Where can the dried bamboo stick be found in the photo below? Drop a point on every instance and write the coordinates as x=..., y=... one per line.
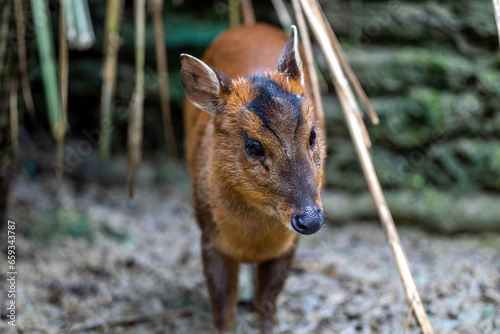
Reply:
x=162, y=69
x=350, y=109
x=283, y=15
x=63, y=89
x=133, y=320
x=22, y=59
x=111, y=46
x=309, y=57
x=345, y=65
x=496, y=5
x=45, y=43
x=136, y=104
x=248, y=12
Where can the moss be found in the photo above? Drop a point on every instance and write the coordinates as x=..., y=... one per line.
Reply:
x=385, y=70
x=45, y=227
x=49, y=225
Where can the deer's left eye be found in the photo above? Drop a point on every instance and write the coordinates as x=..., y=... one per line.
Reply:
x=254, y=147
x=312, y=138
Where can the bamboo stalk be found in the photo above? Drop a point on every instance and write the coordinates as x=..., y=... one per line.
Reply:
x=63, y=89
x=22, y=60
x=496, y=5
x=350, y=109
x=309, y=57
x=83, y=24
x=63, y=64
x=70, y=19
x=248, y=12
x=14, y=119
x=111, y=46
x=162, y=69
x=136, y=104
x=45, y=45
x=234, y=13
x=283, y=15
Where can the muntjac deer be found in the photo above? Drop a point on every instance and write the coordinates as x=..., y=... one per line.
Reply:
x=255, y=151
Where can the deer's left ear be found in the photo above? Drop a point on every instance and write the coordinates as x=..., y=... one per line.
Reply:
x=289, y=61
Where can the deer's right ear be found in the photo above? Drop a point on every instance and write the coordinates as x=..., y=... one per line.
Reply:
x=204, y=86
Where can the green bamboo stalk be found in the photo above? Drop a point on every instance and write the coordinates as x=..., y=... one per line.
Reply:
x=136, y=104
x=45, y=43
x=22, y=59
x=234, y=13
x=156, y=7
x=83, y=24
x=111, y=46
x=496, y=7
x=63, y=64
x=70, y=19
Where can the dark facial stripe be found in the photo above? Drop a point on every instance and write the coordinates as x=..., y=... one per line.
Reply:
x=265, y=102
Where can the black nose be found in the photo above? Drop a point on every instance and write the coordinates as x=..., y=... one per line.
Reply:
x=308, y=221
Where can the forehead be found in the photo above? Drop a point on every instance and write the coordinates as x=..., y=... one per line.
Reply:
x=277, y=101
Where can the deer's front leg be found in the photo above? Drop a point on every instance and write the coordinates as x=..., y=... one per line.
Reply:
x=270, y=278
x=221, y=274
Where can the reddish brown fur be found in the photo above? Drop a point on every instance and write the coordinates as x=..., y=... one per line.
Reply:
x=243, y=208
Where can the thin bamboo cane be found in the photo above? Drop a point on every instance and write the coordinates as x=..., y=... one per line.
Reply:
x=309, y=56
x=22, y=59
x=496, y=5
x=111, y=46
x=136, y=104
x=14, y=119
x=63, y=64
x=162, y=69
x=350, y=109
x=45, y=43
x=283, y=15
x=63, y=89
x=248, y=12
x=234, y=13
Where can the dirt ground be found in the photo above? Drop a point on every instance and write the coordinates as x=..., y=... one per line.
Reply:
x=120, y=266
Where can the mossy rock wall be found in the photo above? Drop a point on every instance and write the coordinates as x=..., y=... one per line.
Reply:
x=432, y=72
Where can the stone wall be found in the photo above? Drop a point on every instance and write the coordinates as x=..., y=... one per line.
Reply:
x=431, y=70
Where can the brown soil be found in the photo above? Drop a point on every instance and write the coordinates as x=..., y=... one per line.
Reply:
x=134, y=267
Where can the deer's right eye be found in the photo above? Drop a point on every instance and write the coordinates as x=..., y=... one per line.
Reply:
x=253, y=147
